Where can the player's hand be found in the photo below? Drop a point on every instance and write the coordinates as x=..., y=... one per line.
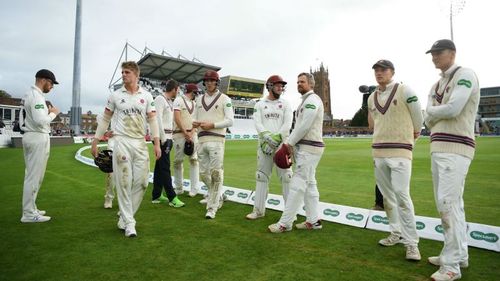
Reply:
x=207, y=125
x=188, y=135
x=266, y=148
x=416, y=135
x=196, y=124
x=93, y=148
x=157, y=149
x=108, y=134
x=53, y=109
x=273, y=140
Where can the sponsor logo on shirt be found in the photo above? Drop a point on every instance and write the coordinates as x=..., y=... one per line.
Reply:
x=39, y=106
x=412, y=99
x=466, y=83
x=310, y=106
x=132, y=111
x=272, y=115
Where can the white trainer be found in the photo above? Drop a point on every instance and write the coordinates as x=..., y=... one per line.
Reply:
x=278, y=228
x=130, y=231
x=108, y=203
x=179, y=191
x=36, y=218
x=445, y=275
x=204, y=200
x=210, y=214
x=391, y=240
x=41, y=212
x=121, y=225
x=309, y=226
x=412, y=253
x=437, y=261
x=254, y=215
x=193, y=193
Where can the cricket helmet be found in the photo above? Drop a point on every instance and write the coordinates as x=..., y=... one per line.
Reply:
x=104, y=161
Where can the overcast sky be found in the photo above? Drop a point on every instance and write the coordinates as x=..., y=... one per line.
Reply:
x=246, y=38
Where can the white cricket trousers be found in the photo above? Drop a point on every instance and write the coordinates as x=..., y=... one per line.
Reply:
x=211, y=157
x=131, y=172
x=194, y=168
x=36, y=148
x=393, y=179
x=110, y=194
x=264, y=171
x=303, y=188
x=449, y=171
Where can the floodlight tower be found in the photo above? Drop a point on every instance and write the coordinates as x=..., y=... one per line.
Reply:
x=76, y=110
x=456, y=6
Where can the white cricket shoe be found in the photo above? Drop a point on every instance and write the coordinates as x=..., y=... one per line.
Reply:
x=41, y=212
x=204, y=200
x=437, y=261
x=210, y=214
x=254, y=215
x=412, y=253
x=130, y=231
x=179, y=191
x=36, y=218
x=108, y=203
x=309, y=226
x=193, y=193
x=121, y=225
x=391, y=240
x=445, y=275
x=278, y=228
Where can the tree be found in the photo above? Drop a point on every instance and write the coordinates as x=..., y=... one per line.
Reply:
x=4, y=94
x=360, y=119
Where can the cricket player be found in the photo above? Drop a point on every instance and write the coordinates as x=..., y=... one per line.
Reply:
x=184, y=108
x=134, y=107
x=165, y=115
x=305, y=144
x=214, y=113
x=35, y=117
x=450, y=115
x=273, y=120
x=395, y=115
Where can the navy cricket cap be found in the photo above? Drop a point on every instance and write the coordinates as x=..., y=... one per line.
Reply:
x=47, y=74
x=384, y=64
x=443, y=44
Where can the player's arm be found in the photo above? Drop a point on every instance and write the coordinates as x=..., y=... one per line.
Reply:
x=228, y=115
x=466, y=82
x=153, y=126
x=257, y=119
x=160, y=106
x=39, y=110
x=302, y=125
x=287, y=122
x=102, y=127
x=415, y=110
x=371, y=124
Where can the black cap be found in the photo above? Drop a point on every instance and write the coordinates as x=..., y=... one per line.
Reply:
x=47, y=74
x=443, y=44
x=384, y=64
x=189, y=148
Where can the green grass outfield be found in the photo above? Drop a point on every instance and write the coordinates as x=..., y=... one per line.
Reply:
x=82, y=241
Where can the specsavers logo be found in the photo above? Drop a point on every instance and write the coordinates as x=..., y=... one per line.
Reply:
x=229, y=192
x=39, y=106
x=439, y=228
x=353, y=216
x=273, y=202
x=204, y=187
x=488, y=237
x=331, y=212
x=243, y=195
x=420, y=225
x=379, y=219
